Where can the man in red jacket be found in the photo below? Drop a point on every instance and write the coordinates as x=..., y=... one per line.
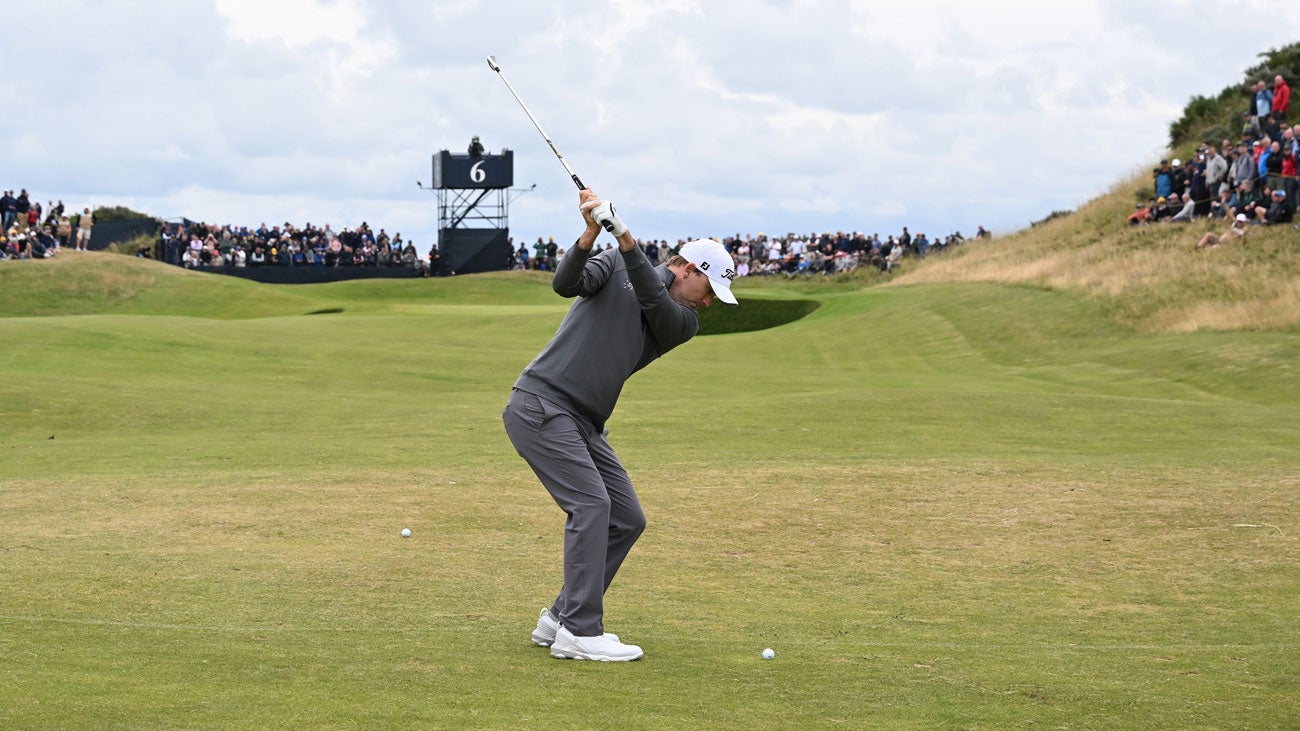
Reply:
x=1281, y=97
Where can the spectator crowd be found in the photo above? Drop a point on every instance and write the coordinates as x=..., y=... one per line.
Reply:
x=201, y=245
x=29, y=230
x=1251, y=181
x=790, y=255
x=197, y=245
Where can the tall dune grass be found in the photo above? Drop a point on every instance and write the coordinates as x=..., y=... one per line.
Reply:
x=1151, y=278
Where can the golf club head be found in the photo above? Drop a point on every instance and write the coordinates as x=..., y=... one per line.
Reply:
x=492, y=64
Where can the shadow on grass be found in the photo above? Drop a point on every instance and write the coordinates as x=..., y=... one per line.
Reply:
x=753, y=314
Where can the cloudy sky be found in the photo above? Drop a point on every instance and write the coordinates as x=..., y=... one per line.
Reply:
x=697, y=117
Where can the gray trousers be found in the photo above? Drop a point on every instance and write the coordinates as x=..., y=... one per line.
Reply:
x=578, y=467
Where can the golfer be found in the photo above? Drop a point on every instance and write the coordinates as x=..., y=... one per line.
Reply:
x=627, y=314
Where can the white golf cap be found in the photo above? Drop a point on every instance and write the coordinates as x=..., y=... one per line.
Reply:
x=712, y=258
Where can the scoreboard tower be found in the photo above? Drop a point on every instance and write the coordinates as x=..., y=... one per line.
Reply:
x=474, y=210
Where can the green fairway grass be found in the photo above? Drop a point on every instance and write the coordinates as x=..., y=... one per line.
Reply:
x=943, y=504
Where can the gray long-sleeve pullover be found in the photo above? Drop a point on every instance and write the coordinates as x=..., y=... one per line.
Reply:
x=622, y=320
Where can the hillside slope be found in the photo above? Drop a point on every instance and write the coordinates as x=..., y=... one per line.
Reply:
x=1150, y=278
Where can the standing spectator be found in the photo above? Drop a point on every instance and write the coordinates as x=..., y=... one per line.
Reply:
x=922, y=245
x=1270, y=166
x=1263, y=100
x=8, y=210
x=1243, y=168
x=22, y=206
x=539, y=254
x=1163, y=179
x=1281, y=97
x=1177, y=179
x=64, y=230
x=1199, y=189
x=83, y=230
x=552, y=254
x=1271, y=128
x=1216, y=171
x=1290, y=164
x=435, y=261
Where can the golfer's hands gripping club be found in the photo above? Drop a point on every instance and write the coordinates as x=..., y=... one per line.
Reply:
x=602, y=214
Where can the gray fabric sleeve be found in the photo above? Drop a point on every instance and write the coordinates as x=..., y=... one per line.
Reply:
x=668, y=320
x=579, y=274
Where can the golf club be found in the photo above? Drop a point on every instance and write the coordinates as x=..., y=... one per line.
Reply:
x=492, y=64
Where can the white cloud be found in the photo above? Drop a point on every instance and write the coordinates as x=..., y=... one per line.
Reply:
x=697, y=117
x=296, y=23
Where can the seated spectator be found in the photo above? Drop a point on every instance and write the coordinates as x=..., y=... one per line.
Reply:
x=1185, y=213
x=1162, y=210
x=1279, y=210
x=895, y=255
x=1246, y=199
x=1143, y=214
x=1219, y=206
x=1240, y=227
x=845, y=262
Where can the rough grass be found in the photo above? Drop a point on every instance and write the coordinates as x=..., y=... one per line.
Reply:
x=1151, y=278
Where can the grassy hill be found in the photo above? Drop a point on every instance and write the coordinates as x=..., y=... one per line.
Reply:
x=1149, y=278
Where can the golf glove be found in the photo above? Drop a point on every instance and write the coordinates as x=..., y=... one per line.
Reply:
x=605, y=215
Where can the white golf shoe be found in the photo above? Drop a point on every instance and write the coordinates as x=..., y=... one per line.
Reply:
x=605, y=648
x=544, y=635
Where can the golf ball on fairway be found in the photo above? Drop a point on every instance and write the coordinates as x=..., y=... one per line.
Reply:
x=768, y=654
x=406, y=532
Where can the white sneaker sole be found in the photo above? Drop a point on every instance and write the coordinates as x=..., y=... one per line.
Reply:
x=569, y=655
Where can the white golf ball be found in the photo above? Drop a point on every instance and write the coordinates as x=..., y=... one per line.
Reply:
x=768, y=654
x=406, y=532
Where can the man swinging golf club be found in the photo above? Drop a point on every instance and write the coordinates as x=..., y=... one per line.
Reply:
x=627, y=314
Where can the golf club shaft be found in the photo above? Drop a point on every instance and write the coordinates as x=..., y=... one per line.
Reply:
x=492, y=64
